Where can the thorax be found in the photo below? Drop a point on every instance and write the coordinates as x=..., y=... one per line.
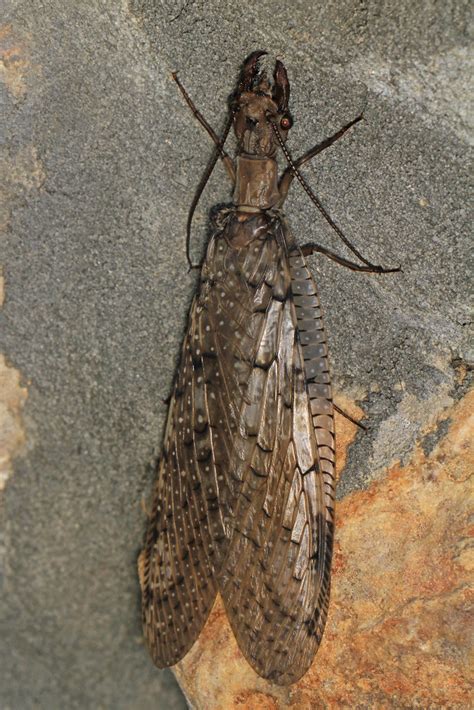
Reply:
x=256, y=183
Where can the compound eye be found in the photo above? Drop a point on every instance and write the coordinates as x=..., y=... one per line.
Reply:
x=286, y=123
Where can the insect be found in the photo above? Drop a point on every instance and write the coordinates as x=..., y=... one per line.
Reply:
x=244, y=499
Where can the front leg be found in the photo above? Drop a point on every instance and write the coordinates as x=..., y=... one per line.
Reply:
x=368, y=267
x=225, y=157
x=288, y=175
x=292, y=165
x=218, y=153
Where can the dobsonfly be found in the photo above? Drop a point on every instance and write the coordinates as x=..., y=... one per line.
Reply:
x=244, y=499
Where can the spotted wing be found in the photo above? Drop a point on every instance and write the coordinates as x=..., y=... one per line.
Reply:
x=178, y=586
x=196, y=489
x=275, y=578
x=186, y=531
x=243, y=465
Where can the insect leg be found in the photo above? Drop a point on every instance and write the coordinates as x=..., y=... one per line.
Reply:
x=288, y=175
x=225, y=157
x=368, y=267
x=219, y=152
x=348, y=416
x=314, y=199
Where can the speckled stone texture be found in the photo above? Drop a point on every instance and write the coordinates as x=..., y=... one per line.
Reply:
x=100, y=160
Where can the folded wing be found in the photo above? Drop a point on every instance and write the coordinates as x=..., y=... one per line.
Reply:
x=196, y=489
x=275, y=579
x=244, y=497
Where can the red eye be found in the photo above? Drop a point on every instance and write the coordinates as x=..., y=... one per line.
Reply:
x=286, y=123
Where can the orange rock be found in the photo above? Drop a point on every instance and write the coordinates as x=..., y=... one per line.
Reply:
x=398, y=628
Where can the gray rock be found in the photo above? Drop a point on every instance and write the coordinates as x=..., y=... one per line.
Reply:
x=101, y=160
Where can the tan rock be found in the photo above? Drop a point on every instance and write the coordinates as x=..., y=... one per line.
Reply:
x=12, y=435
x=14, y=63
x=398, y=629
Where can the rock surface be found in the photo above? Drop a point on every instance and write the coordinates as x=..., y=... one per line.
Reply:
x=100, y=159
x=398, y=633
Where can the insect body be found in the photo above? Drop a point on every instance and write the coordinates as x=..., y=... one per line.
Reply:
x=244, y=501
